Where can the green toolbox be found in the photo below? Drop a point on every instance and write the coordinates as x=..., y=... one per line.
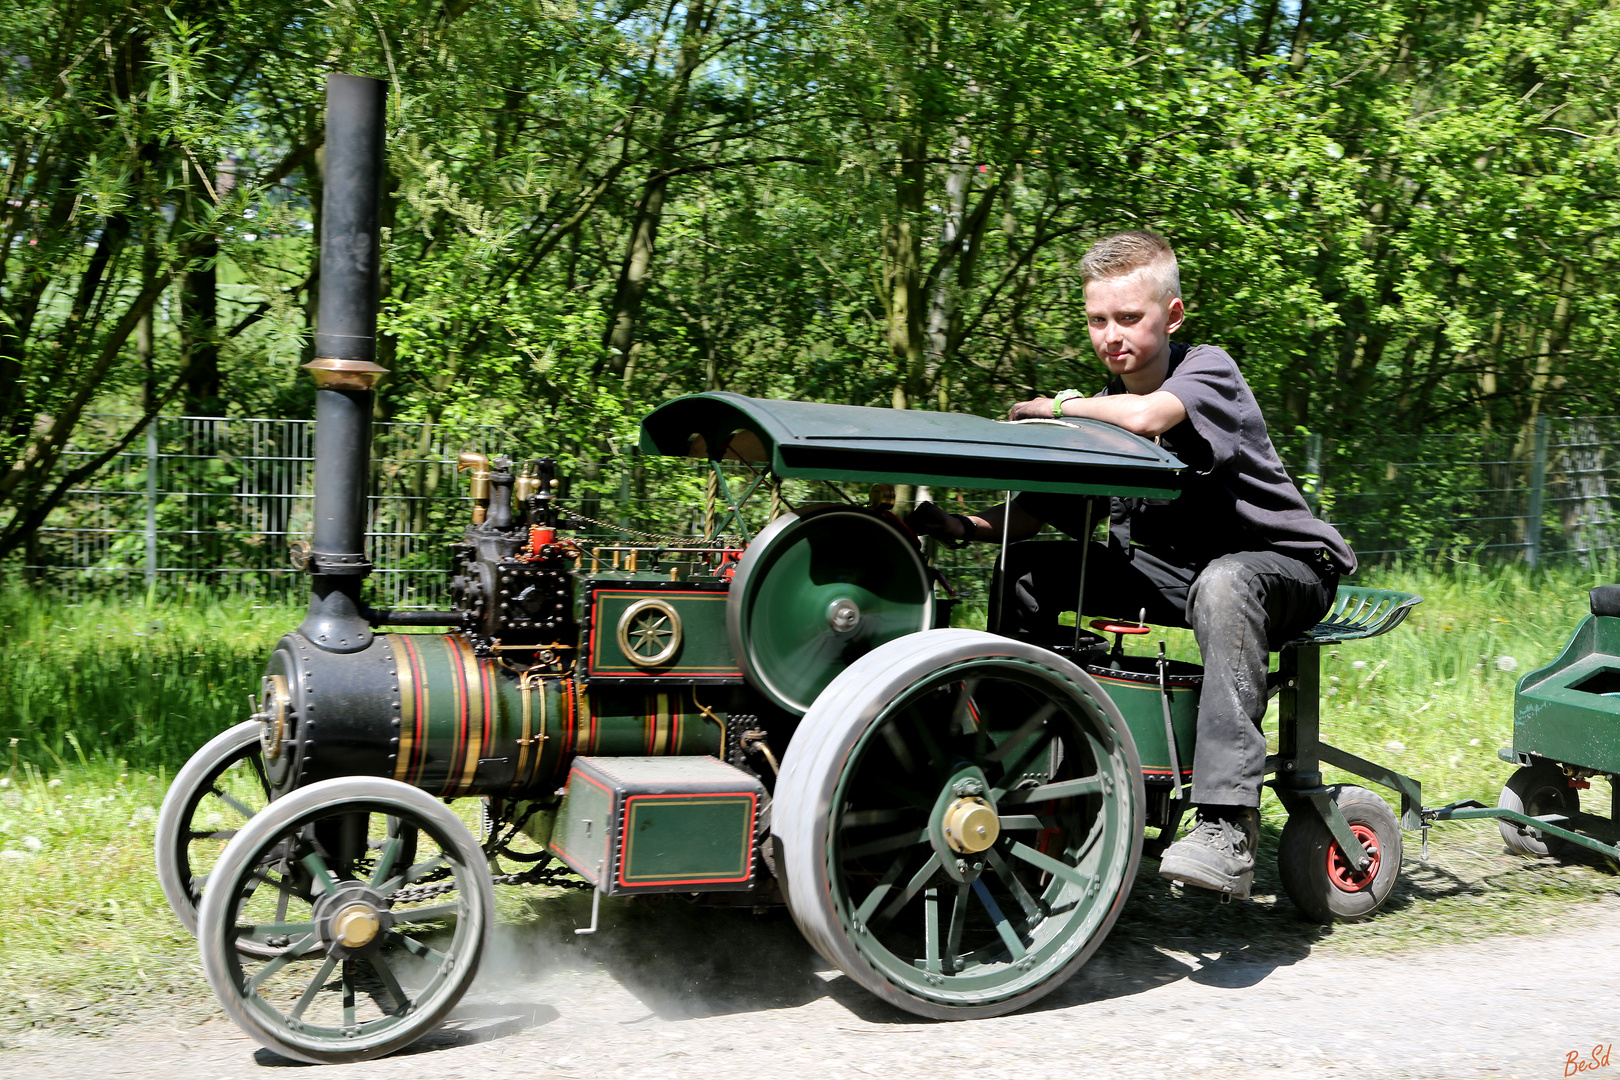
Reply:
x=659, y=824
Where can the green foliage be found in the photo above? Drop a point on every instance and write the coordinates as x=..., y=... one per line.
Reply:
x=145, y=684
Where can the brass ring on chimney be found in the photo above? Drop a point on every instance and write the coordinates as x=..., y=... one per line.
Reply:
x=333, y=374
x=649, y=632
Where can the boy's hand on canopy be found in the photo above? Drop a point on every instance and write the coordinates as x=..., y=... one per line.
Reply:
x=1034, y=409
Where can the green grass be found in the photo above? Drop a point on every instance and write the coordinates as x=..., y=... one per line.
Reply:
x=140, y=683
x=105, y=700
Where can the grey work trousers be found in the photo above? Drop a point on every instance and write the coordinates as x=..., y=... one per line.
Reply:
x=1240, y=607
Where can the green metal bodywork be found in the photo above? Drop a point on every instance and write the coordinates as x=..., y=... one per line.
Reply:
x=813, y=441
x=1141, y=703
x=703, y=654
x=1569, y=710
x=659, y=824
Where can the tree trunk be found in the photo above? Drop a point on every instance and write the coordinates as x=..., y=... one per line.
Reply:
x=635, y=272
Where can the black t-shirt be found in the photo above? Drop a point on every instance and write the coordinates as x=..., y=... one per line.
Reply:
x=1235, y=494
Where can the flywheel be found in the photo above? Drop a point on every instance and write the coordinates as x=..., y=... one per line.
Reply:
x=814, y=593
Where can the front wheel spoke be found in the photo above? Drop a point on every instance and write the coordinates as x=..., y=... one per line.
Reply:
x=1072, y=874
x=953, y=939
x=416, y=948
x=1032, y=910
x=386, y=974
x=1061, y=789
x=232, y=801
x=217, y=834
x=317, y=869
x=348, y=993
x=428, y=914
x=918, y=880
x=313, y=988
x=385, y=861
x=423, y=869
x=263, y=932
x=305, y=944
x=890, y=843
x=1003, y=927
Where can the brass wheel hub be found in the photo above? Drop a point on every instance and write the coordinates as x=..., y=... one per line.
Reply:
x=971, y=825
x=355, y=926
x=354, y=920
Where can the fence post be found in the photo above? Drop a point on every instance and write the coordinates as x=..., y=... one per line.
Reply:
x=151, y=502
x=1538, y=484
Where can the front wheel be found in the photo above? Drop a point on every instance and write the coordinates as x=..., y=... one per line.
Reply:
x=958, y=822
x=1317, y=877
x=373, y=905
x=219, y=790
x=1536, y=789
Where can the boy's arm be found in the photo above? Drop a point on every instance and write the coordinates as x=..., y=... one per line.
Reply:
x=1147, y=415
x=985, y=525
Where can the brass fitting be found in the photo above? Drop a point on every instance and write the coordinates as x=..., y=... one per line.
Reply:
x=479, y=464
x=971, y=825
x=355, y=926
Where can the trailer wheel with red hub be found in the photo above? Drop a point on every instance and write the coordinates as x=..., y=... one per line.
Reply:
x=1318, y=875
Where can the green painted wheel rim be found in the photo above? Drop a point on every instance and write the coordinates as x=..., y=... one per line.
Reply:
x=796, y=587
x=1082, y=846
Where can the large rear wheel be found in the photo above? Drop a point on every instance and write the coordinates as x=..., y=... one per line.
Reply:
x=959, y=820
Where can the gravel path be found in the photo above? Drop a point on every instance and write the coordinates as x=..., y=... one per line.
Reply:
x=693, y=993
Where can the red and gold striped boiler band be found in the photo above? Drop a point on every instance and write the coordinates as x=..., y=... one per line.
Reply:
x=468, y=726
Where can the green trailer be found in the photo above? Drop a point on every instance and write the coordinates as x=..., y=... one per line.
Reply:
x=1566, y=730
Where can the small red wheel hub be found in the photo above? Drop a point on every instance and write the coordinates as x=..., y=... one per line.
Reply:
x=1342, y=874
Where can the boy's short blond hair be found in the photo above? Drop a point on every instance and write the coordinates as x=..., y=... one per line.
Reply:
x=1127, y=252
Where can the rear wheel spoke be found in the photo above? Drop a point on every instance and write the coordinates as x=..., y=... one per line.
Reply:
x=1032, y=910
x=953, y=941
x=918, y=880
x=1004, y=928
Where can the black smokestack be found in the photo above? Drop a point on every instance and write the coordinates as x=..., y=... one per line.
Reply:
x=344, y=368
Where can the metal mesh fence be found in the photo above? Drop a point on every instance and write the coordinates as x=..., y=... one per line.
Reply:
x=214, y=503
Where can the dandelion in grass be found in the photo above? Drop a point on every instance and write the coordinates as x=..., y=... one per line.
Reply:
x=32, y=843
x=1358, y=665
x=55, y=781
x=1506, y=663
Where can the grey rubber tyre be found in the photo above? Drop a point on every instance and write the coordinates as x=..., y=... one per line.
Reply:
x=857, y=808
x=281, y=884
x=1536, y=789
x=1315, y=874
x=218, y=790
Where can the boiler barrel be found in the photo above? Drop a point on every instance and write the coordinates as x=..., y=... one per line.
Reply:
x=424, y=709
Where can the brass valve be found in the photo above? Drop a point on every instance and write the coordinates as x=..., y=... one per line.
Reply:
x=479, y=464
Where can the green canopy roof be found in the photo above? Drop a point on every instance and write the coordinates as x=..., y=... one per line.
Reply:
x=811, y=441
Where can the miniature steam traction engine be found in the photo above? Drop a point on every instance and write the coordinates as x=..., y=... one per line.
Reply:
x=953, y=818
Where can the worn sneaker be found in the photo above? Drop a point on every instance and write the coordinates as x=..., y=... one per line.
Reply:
x=1218, y=851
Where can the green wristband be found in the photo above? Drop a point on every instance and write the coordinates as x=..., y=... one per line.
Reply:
x=1062, y=396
